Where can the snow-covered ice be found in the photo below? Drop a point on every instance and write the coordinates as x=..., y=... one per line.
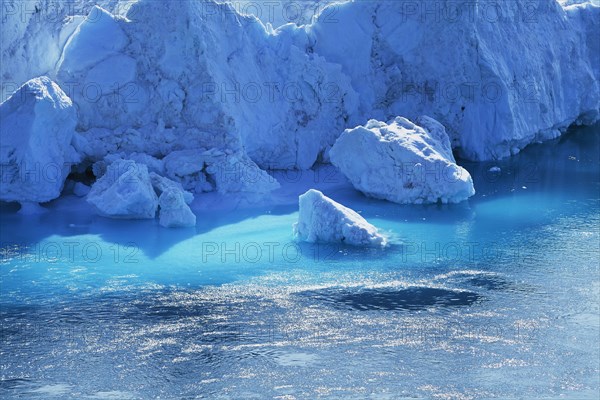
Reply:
x=162, y=184
x=196, y=91
x=497, y=75
x=174, y=212
x=323, y=220
x=124, y=191
x=402, y=162
x=38, y=124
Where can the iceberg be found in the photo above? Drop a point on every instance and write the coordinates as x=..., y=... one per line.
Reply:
x=38, y=124
x=124, y=191
x=323, y=220
x=173, y=202
x=402, y=162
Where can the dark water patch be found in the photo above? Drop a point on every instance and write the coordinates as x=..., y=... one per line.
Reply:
x=13, y=383
x=490, y=283
x=413, y=298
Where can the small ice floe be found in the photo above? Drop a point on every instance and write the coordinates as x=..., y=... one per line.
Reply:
x=323, y=220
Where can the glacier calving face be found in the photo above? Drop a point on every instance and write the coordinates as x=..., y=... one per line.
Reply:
x=37, y=127
x=498, y=75
x=323, y=220
x=402, y=162
x=181, y=76
x=196, y=91
x=278, y=13
x=35, y=32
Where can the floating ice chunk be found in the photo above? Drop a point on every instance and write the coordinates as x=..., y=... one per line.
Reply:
x=174, y=212
x=38, y=123
x=402, y=162
x=81, y=189
x=324, y=220
x=495, y=169
x=124, y=191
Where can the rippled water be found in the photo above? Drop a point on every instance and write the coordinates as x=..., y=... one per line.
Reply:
x=496, y=297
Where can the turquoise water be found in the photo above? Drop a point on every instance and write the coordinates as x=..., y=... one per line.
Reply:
x=497, y=297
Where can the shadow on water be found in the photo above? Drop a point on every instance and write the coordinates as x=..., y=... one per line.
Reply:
x=568, y=165
x=412, y=298
x=147, y=235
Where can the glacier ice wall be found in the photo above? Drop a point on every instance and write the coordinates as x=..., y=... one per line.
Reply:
x=160, y=79
x=185, y=76
x=498, y=75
